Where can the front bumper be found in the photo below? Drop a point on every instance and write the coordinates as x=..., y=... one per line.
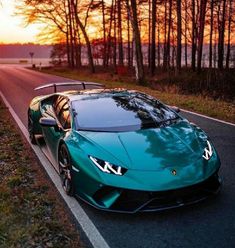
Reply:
x=131, y=201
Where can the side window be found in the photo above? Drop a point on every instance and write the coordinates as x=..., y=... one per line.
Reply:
x=61, y=108
x=64, y=118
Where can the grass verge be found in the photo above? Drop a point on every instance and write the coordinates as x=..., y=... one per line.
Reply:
x=214, y=108
x=31, y=211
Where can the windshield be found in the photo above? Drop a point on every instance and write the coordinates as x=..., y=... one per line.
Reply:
x=120, y=112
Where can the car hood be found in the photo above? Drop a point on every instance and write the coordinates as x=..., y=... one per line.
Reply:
x=177, y=145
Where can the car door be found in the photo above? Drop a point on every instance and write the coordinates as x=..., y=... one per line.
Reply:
x=52, y=135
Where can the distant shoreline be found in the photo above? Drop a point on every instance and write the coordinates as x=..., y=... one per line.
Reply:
x=25, y=61
x=23, y=51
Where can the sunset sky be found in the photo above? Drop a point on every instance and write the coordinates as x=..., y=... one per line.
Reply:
x=11, y=27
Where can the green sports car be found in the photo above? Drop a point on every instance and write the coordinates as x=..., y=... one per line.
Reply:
x=122, y=150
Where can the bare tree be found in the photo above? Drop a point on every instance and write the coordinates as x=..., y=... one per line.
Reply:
x=203, y=4
x=79, y=23
x=151, y=29
x=138, y=52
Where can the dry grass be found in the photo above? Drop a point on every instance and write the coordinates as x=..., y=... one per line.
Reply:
x=32, y=213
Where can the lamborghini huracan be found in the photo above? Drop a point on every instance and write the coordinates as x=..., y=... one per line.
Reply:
x=123, y=150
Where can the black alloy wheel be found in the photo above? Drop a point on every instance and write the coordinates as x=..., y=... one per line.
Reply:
x=65, y=170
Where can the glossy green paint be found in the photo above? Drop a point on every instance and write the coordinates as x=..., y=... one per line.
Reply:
x=149, y=155
x=179, y=147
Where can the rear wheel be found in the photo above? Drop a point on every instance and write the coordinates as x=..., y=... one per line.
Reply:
x=30, y=130
x=65, y=169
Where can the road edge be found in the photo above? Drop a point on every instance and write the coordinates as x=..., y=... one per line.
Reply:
x=92, y=233
x=207, y=117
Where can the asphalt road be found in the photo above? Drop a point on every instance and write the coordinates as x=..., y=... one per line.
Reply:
x=208, y=224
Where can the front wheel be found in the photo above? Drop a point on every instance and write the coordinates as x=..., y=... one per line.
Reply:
x=65, y=170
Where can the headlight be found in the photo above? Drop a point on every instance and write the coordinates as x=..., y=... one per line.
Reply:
x=207, y=151
x=108, y=167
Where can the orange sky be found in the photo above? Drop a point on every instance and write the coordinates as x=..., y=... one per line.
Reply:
x=11, y=28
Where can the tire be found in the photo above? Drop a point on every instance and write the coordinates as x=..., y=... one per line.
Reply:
x=30, y=130
x=65, y=169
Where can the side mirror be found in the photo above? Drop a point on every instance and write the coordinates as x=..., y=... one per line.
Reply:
x=176, y=109
x=47, y=122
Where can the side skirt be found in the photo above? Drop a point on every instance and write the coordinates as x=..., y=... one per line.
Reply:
x=42, y=144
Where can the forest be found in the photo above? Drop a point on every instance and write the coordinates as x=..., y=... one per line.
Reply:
x=188, y=43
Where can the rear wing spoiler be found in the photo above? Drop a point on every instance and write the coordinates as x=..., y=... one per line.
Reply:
x=55, y=85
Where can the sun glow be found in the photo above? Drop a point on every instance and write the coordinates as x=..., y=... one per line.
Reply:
x=12, y=29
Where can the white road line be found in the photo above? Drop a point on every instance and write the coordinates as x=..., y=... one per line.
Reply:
x=207, y=117
x=87, y=225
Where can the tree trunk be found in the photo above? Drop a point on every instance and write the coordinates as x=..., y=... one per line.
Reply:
x=158, y=44
x=186, y=34
x=88, y=44
x=153, y=40
x=71, y=39
x=138, y=52
x=104, y=34
x=201, y=33
x=168, y=45
x=221, y=25
x=193, y=62
x=214, y=50
x=109, y=34
x=211, y=33
x=115, y=35
x=128, y=40
x=68, y=49
x=67, y=34
x=229, y=35
x=76, y=44
x=179, y=33
x=165, y=37
x=120, y=43
x=149, y=33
